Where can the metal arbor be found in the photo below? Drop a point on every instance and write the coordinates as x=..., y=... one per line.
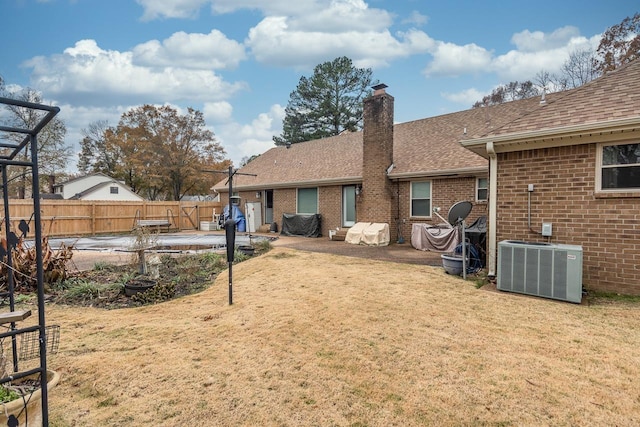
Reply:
x=18, y=148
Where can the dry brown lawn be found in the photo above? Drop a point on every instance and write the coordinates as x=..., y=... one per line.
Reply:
x=322, y=340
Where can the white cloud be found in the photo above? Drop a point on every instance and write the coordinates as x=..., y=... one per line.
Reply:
x=154, y=9
x=217, y=112
x=247, y=140
x=111, y=75
x=158, y=9
x=271, y=7
x=77, y=118
x=528, y=41
x=523, y=65
x=451, y=59
x=535, y=51
x=416, y=18
x=466, y=97
x=273, y=42
x=299, y=34
x=342, y=16
x=191, y=51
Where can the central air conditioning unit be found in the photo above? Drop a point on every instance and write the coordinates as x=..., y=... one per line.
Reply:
x=540, y=269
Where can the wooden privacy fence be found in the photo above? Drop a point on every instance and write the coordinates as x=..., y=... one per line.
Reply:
x=79, y=217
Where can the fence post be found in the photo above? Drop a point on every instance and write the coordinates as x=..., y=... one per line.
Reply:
x=93, y=218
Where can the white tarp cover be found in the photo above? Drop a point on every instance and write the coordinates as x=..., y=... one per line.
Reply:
x=436, y=238
x=368, y=233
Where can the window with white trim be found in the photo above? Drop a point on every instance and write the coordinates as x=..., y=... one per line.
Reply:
x=421, y=198
x=619, y=167
x=307, y=201
x=113, y=190
x=482, y=189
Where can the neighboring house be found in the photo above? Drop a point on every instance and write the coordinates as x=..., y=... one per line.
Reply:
x=95, y=187
x=394, y=174
x=579, y=153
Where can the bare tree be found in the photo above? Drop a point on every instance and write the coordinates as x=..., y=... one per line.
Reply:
x=510, y=92
x=579, y=69
x=53, y=154
x=94, y=154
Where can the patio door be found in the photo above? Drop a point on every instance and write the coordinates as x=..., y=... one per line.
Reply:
x=348, y=205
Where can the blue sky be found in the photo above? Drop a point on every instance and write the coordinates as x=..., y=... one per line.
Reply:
x=237, y=61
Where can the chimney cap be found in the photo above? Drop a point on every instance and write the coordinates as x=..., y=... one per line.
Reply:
x=379, y=87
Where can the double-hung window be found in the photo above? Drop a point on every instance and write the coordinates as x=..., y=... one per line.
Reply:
x=482, y=189
x=421, y=198
x=619, y=167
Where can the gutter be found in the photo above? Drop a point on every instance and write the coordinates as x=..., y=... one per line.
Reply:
x=573, y=134
x=493, y=207
x=292, y=184
x=445, y=173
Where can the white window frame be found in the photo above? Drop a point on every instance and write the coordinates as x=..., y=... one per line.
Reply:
x=600, y=167
x=478, y=188
x=411, y=198
x=114, y=190
x=298, y=199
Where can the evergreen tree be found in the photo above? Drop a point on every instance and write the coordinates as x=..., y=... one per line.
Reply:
x=327, y=103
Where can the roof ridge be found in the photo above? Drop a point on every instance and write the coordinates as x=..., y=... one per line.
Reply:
x=556, y=96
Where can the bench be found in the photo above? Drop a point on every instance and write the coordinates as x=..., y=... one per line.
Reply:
x=152, y=223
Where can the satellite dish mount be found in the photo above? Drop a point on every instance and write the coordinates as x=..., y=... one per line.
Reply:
x=456, y=216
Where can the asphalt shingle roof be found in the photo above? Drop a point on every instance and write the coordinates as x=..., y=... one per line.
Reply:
x=426, y=147
x=611, y=97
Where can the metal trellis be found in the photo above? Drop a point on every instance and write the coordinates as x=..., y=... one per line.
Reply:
x=18, y=148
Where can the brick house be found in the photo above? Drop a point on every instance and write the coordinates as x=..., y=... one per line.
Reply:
x=574, y=162
x=388, y=173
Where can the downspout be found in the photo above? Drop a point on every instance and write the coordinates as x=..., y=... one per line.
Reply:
x=493, y=207
x=399, y=219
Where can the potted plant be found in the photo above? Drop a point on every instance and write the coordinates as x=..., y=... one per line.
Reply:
x=246, y=250
x=22, y=404
x=21, y=391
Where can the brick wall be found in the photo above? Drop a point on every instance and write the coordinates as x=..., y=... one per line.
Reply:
x=284, y=201
x=607, y=228
x=444, y=193
x=377, y=202
x=329, y=206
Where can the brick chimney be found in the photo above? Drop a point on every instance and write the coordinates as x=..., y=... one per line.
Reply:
x=376, y=202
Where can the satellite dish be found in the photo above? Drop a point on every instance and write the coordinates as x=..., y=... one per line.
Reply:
x=458, y=212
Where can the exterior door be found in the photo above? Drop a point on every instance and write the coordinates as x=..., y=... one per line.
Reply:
x=253, y=214
x=268, y=206
x=348, y=205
